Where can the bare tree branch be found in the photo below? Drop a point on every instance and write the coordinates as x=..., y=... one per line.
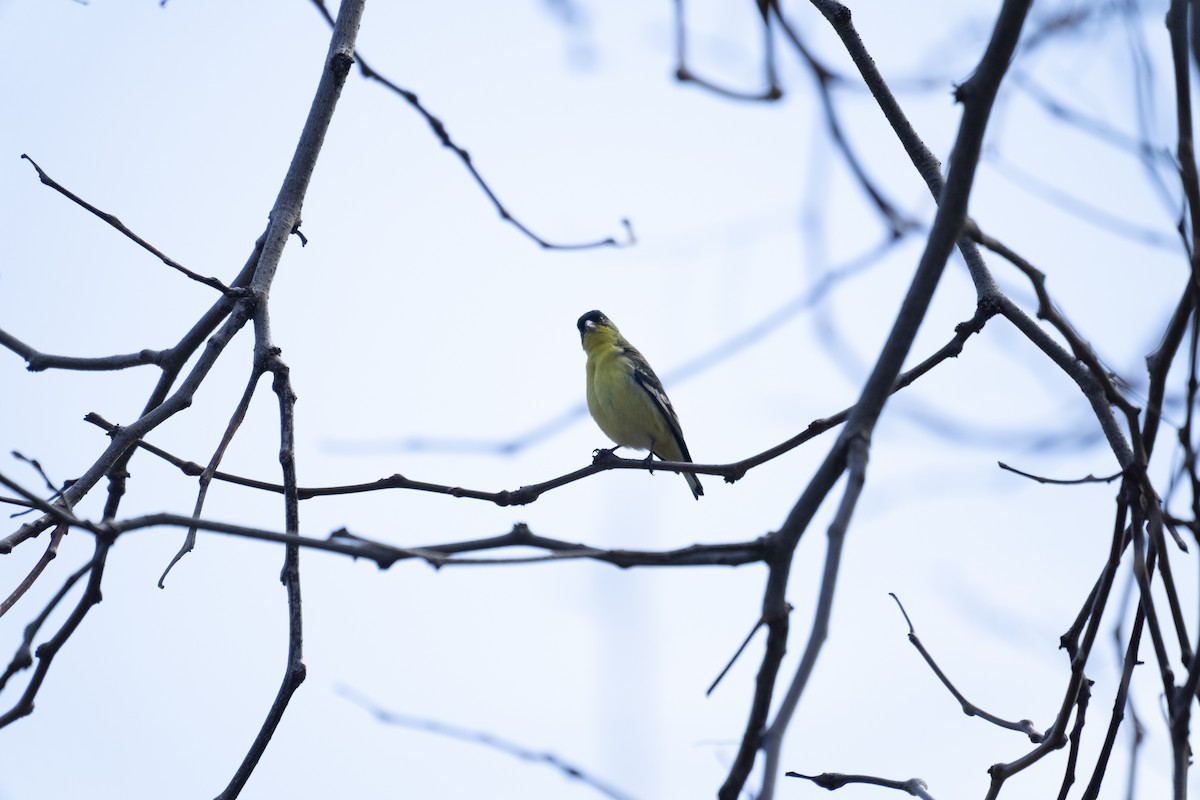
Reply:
x=1060, y=481
x=23, y=659
x=568, y=769
x=1133, y=642
x=836, y=780
x=51, y=552
x=48, y=649
x=977, y=95
x=37, y=361
x=120, y=226
x=898, y=222
x=439, y=130
x=771, y=740
x=206, y=475
x=1025, y=726
x=685, y=74
x=1081, y=704
x=285, y=218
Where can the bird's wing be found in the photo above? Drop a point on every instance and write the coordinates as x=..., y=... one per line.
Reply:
x=644, y=376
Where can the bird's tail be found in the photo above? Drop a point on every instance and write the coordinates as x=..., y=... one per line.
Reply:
x=694, y=484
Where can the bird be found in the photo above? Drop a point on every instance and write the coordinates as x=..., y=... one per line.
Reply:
x=627, y=399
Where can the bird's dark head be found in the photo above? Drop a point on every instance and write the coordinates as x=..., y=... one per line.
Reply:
x=597, y=330
x=592, y=320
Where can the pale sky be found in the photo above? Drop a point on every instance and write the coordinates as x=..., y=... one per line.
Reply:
x=414, y=312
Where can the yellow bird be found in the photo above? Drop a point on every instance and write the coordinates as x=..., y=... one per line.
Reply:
x=627, y=399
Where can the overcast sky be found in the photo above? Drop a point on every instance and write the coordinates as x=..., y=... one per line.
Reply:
x=424, y=333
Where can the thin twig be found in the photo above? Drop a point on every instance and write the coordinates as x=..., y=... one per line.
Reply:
x=1120, y=701
x=1089, y=478
x=486, y=739
x=898, y=222
x=439, y=130
x=733, y=660
x=685, y=74
x=970, y=709
x=1048, y=311
x=23, y=658
x=37, y=467
x=1143, y=574
x=206, y=475
x=836, y=780
x=1081, y=704
x=120, y=226
x=51, y=551
x=728, y=554
x=46, y=651
x=1159, y=362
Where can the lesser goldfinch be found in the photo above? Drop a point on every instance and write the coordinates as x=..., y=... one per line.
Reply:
x=627, y=399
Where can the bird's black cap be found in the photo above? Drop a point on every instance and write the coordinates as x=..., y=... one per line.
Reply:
x=596, y=317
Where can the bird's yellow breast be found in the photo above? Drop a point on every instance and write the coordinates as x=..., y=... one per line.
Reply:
x=620, y=406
